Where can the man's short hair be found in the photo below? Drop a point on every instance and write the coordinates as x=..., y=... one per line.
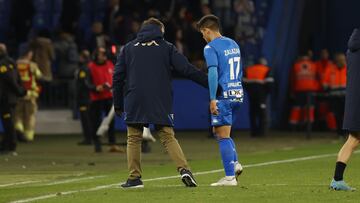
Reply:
x=153, y=21
x=209, y=21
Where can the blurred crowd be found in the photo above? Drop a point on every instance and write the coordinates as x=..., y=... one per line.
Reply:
x=56, y=49
x=60, y=66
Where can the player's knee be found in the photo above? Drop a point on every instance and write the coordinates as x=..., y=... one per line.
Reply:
x=166, y=135
x=354, y=140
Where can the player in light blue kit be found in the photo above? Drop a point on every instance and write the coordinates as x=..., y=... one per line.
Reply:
x=223, y=60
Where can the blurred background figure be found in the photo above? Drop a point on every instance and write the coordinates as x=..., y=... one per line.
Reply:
x=98, y=38
x=304, y=82
x=10, y=89
x=26, y=107
x=101, y=73
x=83, y=85
x=257, y=81
x=334, y=84
x=325, y=118
x=44, y=54
x=67, y=59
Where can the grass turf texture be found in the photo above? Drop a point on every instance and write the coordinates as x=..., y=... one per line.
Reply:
x=55, y=164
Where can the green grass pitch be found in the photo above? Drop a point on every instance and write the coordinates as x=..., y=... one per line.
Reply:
x=55, y=169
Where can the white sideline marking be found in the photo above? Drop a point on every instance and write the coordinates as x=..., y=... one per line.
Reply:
x=20, y=183
x=51, y=183
x=71, y=180
x=177, y=176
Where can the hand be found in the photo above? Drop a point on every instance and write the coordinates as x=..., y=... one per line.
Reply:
x=107, y=86
x=213, y=107
x=100, y=88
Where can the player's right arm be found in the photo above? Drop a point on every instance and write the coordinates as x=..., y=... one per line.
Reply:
x=119, y=82
x=212, y=64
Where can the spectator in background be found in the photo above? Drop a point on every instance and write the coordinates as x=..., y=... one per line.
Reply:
x=257, y=80
x=324, y=62
x=324, y=115
x=98, y=38
x=44, y=54
x=334, y=83
x=245, y=28
x=43, y=49
x=135, y=26
x=67, y=63
x=10, y=89
x=26, y=107
x=83, y=84
x=179, y=43
x=222, y=9
x=66, y=56
x=304, y=81
x=101, y=72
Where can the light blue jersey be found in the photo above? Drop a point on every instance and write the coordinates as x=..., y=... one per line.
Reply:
x=224, y=53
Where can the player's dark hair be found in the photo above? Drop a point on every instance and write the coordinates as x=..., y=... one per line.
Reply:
x=211, y=22
x=153, y=21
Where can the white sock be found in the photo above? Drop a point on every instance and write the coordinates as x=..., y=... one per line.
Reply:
x=146, y=130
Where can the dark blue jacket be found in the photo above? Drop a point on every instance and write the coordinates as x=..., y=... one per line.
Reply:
x=352, y=100
x=143, y=74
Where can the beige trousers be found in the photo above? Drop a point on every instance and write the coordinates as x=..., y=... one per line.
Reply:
x=167, y=138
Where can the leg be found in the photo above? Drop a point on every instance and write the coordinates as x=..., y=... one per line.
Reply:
x=111, y=132
x=226, y=148
x=134, y=140
x=85, y=123
x=343, y=157
x=253, y=113
x=18, y=116
x=29, y=118
x=167, y=138
x=349, y=147
x=95, y=110
x=9, y=140
x=262, y=113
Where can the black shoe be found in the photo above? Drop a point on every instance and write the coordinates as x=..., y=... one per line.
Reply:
x=136, y=183
x=187, y=178
x=20, y=136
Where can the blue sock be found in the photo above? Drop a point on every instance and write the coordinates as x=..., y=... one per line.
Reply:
x=227, y=156
x=234, y=148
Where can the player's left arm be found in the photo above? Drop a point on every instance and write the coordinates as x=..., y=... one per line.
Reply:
x=212, y=64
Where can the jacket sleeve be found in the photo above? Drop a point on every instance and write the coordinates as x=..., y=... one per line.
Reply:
x=12, y=80
x=88, y=82
x=119, y=80
x=354, y=41
x=181, y=65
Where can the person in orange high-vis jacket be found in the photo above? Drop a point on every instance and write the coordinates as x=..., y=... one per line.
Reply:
x=334, y=82
x=26, y=107
x=304, y=80
x=257, y=81
x=323, y=110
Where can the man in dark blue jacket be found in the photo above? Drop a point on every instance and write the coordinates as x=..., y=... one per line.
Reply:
x=143, y=91
x=352, y=112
